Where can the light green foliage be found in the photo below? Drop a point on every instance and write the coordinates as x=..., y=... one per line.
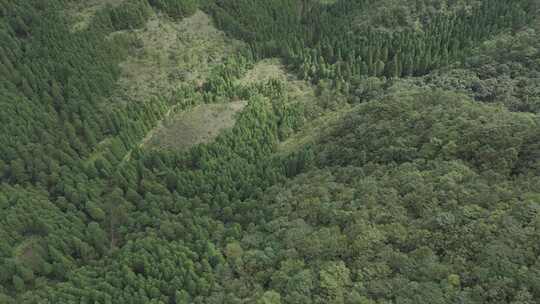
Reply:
x=94, y=211
x=273, y=69
x=170, y=53
x=270, y=297
x=233, y=250
x=201, y=124
x=334, y=278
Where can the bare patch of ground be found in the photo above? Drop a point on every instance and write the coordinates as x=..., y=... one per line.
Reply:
x=201, y=124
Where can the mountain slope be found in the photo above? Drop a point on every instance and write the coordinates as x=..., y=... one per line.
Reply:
x=379, y=152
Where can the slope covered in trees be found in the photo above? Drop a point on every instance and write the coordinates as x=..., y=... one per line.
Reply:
x=426, y=216
x=325, y=41
x=396, y=160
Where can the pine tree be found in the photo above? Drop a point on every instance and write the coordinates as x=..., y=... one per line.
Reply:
x=379, y=68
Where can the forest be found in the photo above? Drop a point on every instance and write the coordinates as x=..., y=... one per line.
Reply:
x=347, y=151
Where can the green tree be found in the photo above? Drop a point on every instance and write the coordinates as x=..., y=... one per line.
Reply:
x=270, y=297
x=334, y=277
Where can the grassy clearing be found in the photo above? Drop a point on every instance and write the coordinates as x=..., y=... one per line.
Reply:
x=264, y=70
x=171, y=53
x=199, y=125
x=167, y=55
x=205, y=122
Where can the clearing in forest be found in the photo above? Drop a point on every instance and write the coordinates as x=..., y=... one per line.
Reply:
x=170, y=53
x=205, y=122
x=264, y=70
x=167, y=55
x=304, y=93
x=201, y=124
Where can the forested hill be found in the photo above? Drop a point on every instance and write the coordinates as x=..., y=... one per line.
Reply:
x=269, y=151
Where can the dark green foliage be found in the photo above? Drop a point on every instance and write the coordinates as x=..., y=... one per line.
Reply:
x=424, y=126
x=38, y=239
x=427, y=192
x=176, y=8
x=505, y=69
x=433, y=227
x=56, y=80
x=128, y=15
x=324, y=41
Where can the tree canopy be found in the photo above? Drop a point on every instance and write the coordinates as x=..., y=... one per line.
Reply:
x=396, y=160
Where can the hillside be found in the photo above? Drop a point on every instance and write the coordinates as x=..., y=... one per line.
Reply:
x=276, y=151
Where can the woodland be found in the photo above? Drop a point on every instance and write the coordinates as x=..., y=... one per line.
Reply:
x=395, y=159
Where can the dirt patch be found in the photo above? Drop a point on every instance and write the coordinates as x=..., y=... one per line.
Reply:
x=201, y=124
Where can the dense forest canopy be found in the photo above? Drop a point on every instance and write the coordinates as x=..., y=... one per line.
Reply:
x=377, y=152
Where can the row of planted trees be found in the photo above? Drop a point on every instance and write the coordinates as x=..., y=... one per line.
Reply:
x=323, y=41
